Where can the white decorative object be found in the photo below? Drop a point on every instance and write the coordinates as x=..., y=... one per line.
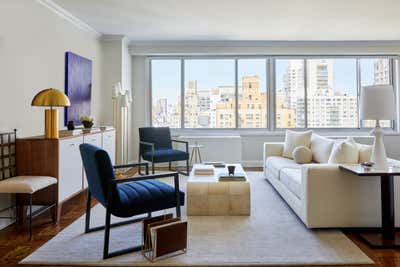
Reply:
x=378, y=103
x=122, y=98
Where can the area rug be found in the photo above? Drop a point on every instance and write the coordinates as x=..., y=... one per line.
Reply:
x=272, y=235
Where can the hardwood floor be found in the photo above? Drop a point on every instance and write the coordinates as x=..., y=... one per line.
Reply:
x=14, y=243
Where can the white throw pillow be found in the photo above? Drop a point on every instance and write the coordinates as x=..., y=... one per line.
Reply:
x=344, y=152
x=321, y=148
x=364, y=153
x=295, y=139
x=302, y=154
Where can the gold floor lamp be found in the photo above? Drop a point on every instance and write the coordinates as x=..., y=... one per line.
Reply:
x=51, y=98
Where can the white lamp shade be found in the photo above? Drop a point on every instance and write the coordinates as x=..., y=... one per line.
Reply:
x=377, y=103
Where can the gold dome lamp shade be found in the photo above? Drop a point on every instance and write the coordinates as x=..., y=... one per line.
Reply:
x=51, y=98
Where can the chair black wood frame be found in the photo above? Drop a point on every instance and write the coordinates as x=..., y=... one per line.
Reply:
x=169, y=163
x=108, y=225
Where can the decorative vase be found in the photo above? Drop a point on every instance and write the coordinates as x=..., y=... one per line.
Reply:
x=87, y=124
x=71, y=126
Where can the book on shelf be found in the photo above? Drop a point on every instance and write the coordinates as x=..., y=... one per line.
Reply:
x=203, y=169
x=238, y=176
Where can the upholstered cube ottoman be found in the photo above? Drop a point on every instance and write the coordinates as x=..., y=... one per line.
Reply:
x=206, y=195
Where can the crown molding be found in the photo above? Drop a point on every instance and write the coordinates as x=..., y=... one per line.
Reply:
x=256, y=43
x=370, y=47
x=69, y=16
x=114, y=37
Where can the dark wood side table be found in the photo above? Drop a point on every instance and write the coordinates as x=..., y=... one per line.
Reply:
x=387, y=237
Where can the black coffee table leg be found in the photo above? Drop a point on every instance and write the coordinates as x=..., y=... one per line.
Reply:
x=387, y=238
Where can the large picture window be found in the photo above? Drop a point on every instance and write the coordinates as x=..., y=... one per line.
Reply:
x=236, y=92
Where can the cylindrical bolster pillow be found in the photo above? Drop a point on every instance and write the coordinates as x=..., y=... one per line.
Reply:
x=302, y=154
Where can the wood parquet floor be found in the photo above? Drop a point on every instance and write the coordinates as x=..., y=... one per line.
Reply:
x=14, y=243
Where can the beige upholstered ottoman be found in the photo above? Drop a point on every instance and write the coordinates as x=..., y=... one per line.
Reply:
x=208, y=196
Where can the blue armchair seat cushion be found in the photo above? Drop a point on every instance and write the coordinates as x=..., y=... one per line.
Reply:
x=140, y=197
x=165, y=155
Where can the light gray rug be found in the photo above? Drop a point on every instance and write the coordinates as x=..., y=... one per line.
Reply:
x=272, y=235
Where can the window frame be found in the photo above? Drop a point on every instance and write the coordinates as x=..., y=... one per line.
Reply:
x=271, y=87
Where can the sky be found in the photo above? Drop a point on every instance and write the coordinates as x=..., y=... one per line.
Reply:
x=221, y=72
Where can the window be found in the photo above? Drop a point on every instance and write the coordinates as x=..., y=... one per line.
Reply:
x=252, y=93
x=165, y=84
x=234, y=92
x=332, y=93
x=375, y=71
x=210, y=93
x=289, y=103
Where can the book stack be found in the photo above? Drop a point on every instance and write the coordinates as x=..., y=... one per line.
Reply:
x=238, y=176
x=202, y=169
x=216, y=164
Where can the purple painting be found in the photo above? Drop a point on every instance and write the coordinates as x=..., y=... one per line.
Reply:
x=78, y=87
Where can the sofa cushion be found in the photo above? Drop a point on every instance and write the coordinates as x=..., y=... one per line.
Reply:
x=344, y=152
x=302, y=154
x=321, y=148
x=275, y=164
x=291, y=178
x=364, y=153
x=294, y=139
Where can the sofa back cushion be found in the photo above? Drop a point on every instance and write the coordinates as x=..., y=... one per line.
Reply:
x=294, y=139
x=364, y=153
x=321, y=148
x=344, y=152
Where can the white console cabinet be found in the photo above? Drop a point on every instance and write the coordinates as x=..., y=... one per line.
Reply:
x=60, y=158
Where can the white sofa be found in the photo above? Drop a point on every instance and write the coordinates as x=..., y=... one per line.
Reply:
x=322, y=195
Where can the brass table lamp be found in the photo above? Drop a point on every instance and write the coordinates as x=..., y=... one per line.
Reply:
x=51, y=98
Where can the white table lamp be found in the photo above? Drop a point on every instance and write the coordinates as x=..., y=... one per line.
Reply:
x=378, y=103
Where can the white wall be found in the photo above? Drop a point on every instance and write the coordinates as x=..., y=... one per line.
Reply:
x=251, y=142
x=116, y=68
x=33, y=42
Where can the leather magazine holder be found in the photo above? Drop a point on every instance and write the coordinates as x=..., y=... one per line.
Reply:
x=164, y=236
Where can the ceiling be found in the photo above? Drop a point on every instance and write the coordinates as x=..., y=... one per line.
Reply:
x=242, y=20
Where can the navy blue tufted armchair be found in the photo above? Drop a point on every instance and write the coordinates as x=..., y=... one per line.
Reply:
x=156, y=146
x=125, y=197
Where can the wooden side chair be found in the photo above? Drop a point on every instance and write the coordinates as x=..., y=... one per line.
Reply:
x=24, y=186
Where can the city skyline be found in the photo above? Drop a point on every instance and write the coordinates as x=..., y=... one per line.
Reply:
x=214, y=106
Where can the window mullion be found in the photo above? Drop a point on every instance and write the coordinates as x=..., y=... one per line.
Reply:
x=236, y=95
x=182, y=93
x=271, y=94
x=358, y=83
x=305, y=94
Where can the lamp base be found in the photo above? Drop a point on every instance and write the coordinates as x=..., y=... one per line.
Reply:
x=51, y=124
x=378, y=150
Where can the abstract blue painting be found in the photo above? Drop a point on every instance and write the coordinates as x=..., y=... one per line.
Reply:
x=78, y=87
